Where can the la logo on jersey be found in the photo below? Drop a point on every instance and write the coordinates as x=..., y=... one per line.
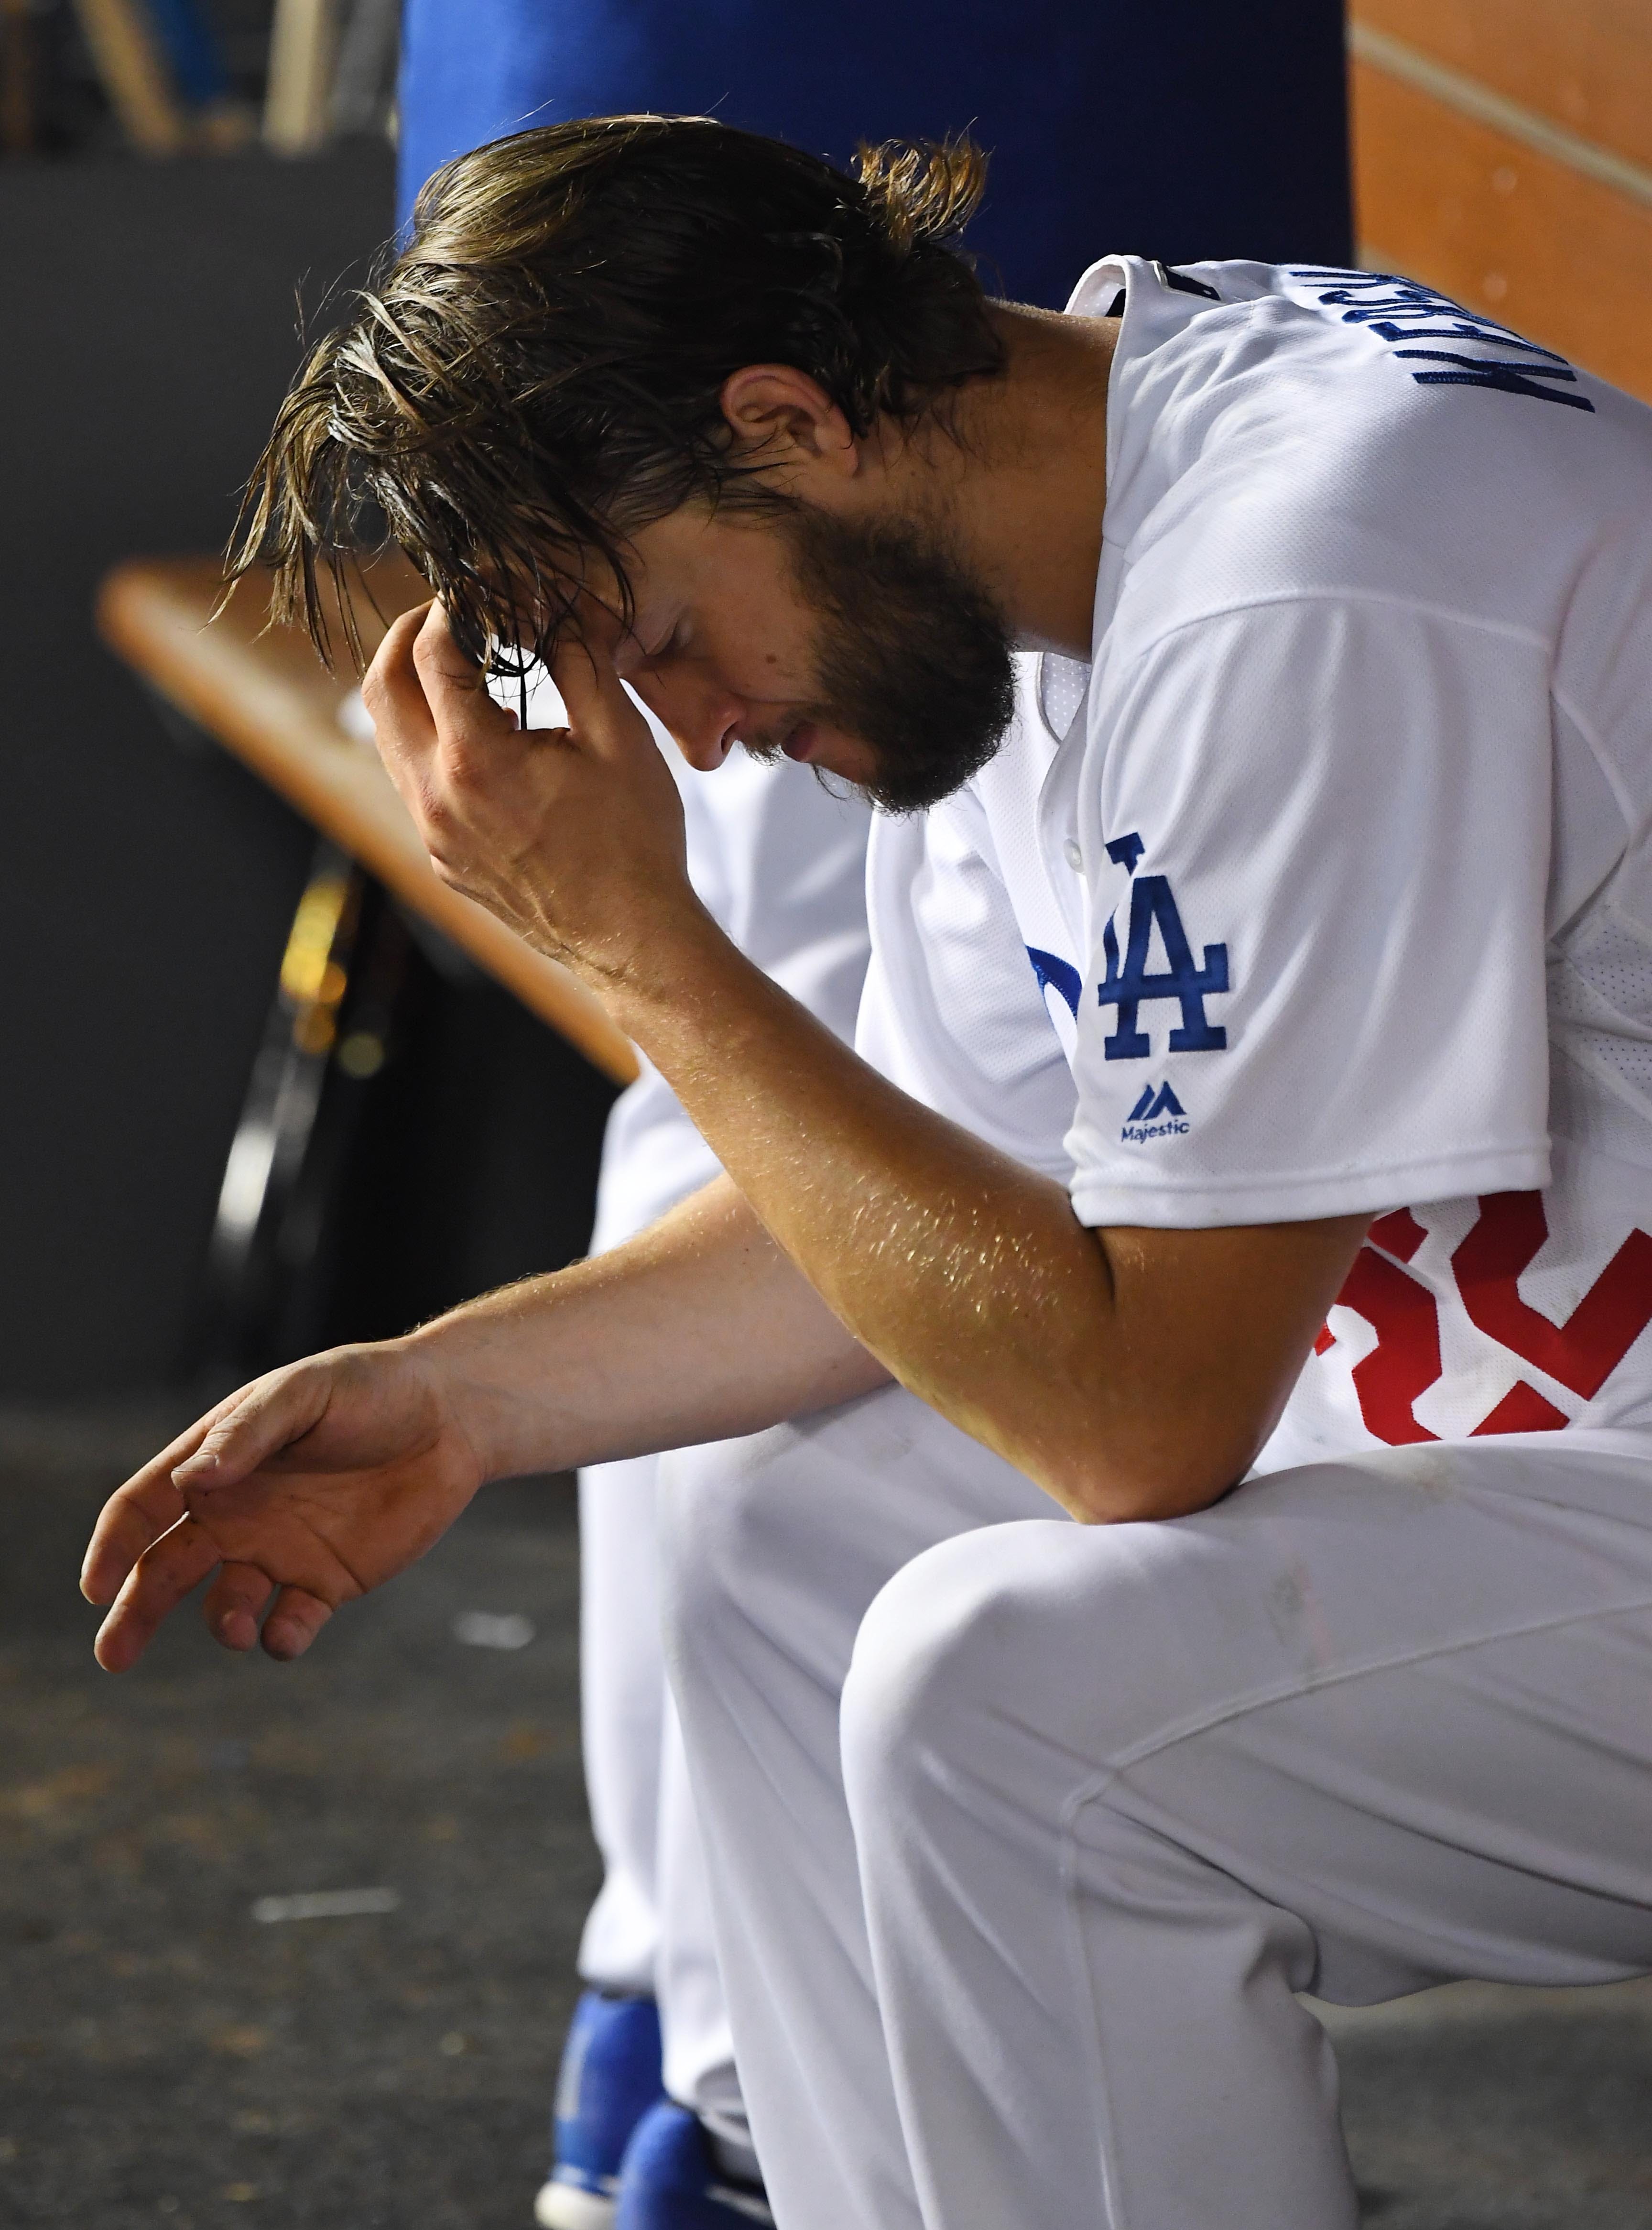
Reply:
x=1135, y=983
x=1157, y=1114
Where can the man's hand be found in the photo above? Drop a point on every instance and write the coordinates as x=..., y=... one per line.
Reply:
x=328, y=1478
x=573, y=836
x=309, y=1486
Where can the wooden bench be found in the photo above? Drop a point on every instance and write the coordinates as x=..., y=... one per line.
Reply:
x=262, y=693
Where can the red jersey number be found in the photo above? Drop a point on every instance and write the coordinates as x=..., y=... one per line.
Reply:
x=1581, y=1354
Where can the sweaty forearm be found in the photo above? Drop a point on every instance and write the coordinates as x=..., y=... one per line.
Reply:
x=697, y=1329
x=964, y=1271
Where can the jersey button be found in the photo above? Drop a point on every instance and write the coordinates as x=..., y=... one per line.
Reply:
x=1072, y=854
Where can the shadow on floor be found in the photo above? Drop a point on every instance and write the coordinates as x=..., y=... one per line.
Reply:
x=168, y=2061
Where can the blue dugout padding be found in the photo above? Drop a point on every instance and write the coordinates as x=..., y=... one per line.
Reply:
x=1174, y=128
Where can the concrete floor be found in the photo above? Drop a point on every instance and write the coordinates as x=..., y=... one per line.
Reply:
x=167, y=2061
x=1476, y=2108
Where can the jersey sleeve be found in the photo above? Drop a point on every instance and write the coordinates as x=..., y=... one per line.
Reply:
x=951, y=1011
x=1315, y=835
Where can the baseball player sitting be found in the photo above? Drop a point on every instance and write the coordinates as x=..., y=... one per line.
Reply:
x=1248, y=1157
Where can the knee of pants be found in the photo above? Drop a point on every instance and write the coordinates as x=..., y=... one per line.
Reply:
x=1027, y=1625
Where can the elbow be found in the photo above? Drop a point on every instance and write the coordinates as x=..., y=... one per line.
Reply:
x=1139, y=1502
x=1149, y=1483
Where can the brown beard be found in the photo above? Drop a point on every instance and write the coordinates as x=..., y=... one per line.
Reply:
x=912, y=654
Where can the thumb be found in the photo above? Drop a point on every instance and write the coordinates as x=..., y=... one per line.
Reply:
x=272, y=1414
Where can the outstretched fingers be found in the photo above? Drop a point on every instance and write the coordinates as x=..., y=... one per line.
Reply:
x=157, y=1585
x=138, y=1512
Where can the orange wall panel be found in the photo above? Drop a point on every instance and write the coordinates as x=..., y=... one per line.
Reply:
x=1561, y=258
x=1584, y=64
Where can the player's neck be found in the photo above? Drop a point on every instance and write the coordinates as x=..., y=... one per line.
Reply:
x=1027, y=479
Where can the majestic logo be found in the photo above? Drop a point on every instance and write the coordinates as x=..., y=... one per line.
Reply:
x=1131, y=987
x=1152, y=1105
x=1157, y=1114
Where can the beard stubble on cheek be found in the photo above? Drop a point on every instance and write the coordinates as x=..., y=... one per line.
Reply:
x=912, y=656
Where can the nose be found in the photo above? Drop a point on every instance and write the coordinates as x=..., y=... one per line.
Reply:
x=704, y=720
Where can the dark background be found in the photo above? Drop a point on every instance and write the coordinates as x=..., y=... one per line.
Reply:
x=1172, y=128
x=151, y=326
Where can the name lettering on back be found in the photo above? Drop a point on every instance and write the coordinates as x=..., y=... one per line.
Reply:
x=1411, y=317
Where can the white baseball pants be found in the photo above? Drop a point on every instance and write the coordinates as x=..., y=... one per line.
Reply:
x=650, y=1929
x=1023, y=1835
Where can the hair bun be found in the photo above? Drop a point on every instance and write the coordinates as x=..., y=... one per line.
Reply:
x=922, y=192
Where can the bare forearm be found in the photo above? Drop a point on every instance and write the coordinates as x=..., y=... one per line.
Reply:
x=964, y=1271
x=700, y=1328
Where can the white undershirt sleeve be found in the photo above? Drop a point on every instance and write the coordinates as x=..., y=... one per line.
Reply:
x=951, y=1010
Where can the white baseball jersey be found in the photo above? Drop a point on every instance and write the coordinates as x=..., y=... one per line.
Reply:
x=1332, y=867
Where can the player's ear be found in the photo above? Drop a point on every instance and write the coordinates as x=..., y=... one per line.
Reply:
x=777, y=411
